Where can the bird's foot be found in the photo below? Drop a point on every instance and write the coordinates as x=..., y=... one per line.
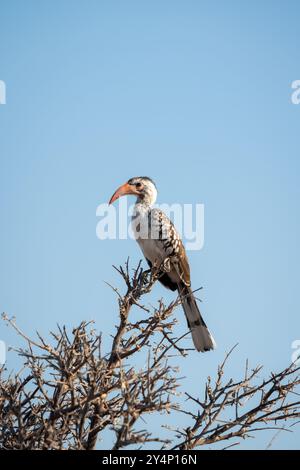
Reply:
x=145, y=275
x=158, y=269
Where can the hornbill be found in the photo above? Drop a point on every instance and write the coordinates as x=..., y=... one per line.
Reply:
x=162, y=247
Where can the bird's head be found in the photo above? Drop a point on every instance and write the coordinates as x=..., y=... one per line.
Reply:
x=141, y=186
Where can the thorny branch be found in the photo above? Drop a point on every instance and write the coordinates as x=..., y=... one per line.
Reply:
x=69, y=392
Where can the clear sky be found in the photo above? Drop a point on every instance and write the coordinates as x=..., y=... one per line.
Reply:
x=195, y=94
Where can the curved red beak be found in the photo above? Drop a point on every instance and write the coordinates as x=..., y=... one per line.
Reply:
x=122, y=191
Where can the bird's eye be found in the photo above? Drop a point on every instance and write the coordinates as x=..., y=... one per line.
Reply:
x=138, y=185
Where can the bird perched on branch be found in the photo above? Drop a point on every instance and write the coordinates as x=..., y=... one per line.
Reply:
x=163, y=249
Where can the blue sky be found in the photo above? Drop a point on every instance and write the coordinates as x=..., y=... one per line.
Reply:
x=195, y=94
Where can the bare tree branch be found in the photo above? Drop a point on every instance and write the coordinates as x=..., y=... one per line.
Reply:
x=69, y=392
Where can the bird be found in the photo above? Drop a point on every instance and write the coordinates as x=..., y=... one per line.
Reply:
x=163, y=248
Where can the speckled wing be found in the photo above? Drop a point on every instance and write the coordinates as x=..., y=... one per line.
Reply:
x=170, y=244
x=164, y=243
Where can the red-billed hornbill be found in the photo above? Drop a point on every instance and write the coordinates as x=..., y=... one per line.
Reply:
x=162, y=247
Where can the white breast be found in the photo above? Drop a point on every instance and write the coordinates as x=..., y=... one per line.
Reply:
x=152, y=250
x=151, y=247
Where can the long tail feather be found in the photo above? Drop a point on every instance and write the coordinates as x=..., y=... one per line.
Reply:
x=203, y=340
